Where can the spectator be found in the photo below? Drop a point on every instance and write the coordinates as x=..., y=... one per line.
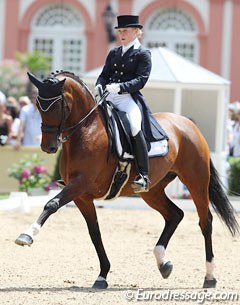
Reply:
x=23, y=101
x=235, y=146
x=5, y=120
x=13, y=111
x=12, y=101
x=29, y=133
x=231, y=120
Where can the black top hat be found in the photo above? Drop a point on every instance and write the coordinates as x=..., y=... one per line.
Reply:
x=128, y=21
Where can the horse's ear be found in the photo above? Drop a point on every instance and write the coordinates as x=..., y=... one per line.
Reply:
x=57, y=89
x=34, y=80
x=61, y=83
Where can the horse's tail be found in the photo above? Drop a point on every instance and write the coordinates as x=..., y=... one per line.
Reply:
x=220, y=202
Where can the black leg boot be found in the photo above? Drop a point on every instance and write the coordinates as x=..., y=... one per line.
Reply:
x=140, y=152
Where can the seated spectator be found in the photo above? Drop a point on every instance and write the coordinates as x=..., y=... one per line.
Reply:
x=23, y=101
x=5, y=120
x=29, y=133
x=13, y=111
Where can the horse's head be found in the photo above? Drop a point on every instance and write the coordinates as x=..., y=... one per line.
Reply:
x=53, y=109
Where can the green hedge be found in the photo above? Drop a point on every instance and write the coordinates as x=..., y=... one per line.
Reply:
x=234, y=177
x=56, y=175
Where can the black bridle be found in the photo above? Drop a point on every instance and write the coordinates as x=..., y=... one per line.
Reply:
x=59, y=129
x=52, y=128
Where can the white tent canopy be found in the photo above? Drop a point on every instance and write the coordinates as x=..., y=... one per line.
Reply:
x=170, y=67
x=198, y=93
x=183, y=87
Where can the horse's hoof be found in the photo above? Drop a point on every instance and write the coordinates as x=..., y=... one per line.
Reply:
x=24, y=240
x=210, y=283
x=100, y=284
x=166, y=269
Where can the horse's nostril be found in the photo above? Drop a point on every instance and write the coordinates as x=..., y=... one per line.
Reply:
x=53, y=149
x=49, y=149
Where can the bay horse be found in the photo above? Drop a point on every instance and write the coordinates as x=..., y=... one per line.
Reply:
x=70, y=115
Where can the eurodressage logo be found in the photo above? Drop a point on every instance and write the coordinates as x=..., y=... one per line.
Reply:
x=199, y=297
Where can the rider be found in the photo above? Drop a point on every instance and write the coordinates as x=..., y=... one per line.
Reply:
x=125, y=72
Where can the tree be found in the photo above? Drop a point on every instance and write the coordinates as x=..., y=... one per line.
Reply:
x=35, y=62
x=13, y=78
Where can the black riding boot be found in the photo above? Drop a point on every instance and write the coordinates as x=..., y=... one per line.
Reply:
x=140, y=152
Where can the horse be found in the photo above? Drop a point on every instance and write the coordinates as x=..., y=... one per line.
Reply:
x=71, y=116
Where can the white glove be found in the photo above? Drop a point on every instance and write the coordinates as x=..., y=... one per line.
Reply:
x=98, y=90
x=113, y=88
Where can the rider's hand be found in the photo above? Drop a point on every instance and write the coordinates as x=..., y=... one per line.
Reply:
x=98, y=90
x=113, y=88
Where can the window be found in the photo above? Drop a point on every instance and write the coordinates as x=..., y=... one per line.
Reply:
x=175, y=29
x=57, y=30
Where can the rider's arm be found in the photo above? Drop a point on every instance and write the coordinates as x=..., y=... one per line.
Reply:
x=104, y=77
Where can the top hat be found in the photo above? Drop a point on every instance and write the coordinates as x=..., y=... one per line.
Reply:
x=128, y=21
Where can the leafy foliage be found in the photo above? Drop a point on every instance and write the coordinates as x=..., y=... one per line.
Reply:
x=56, y=174
x=30, y=172
x=13, y=78
x=234, y=177
x=36, y=62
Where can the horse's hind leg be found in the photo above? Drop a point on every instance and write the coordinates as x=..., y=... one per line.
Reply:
x=209, y=281
x=205, y=223
x=157, y=199
x=199, y=193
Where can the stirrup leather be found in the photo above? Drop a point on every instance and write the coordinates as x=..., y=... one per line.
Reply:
x=140, y=184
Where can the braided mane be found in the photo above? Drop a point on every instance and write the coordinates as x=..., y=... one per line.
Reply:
x=74, y=77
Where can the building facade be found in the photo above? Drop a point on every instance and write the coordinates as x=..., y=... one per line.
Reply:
x=73, y=33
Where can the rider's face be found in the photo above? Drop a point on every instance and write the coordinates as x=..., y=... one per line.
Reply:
x=126, y=35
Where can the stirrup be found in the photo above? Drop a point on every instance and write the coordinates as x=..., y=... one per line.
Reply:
x=140, y=184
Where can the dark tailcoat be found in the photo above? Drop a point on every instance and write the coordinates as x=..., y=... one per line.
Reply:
x=132, y=71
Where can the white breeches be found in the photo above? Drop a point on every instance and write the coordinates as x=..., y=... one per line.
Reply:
x=124, y=102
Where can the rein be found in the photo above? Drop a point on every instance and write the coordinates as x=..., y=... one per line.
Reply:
x=60, y=129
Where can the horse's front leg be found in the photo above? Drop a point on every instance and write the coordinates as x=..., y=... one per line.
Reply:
x=88, y=211
x=61, y=199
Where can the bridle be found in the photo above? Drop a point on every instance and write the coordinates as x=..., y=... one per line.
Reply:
x=52, y=128
x=59, y=129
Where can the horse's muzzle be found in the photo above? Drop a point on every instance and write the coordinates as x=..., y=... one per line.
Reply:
x=50, y=149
